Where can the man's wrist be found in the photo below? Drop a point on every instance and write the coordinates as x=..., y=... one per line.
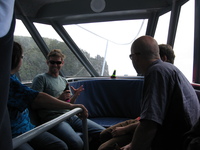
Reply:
x=68, y=100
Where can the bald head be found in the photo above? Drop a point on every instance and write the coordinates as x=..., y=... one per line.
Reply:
x=144, y=51
x=146, y=46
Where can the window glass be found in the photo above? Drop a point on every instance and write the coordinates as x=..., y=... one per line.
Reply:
x=33, y=60
x=107, y=44
x=162, y=28
x=184, y=43
x=72, y=66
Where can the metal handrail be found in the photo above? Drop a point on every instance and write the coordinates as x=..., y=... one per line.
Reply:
x=17, y=141
x=73, y=79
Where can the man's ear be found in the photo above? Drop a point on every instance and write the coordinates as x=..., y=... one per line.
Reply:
x=63, y=62
x=164, y=58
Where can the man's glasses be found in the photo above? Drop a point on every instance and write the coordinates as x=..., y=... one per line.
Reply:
x=55, y=62
x=131, y=55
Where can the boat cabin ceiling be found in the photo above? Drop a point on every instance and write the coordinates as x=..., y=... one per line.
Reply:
x=82, y=11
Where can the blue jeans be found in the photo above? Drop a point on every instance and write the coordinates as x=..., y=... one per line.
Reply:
x=44, y=141
x=66, y=131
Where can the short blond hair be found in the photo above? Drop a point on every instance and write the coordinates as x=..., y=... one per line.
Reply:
x=56, y=53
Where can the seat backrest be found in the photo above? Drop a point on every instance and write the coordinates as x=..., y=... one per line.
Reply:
x=106, y=98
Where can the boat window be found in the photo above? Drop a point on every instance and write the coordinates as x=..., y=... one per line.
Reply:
x=72, y=66
x=33, y=60
x=108, y=43
x=184, y=43
x=162, y=28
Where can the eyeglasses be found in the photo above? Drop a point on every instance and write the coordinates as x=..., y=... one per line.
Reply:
x=131, y=55
x=55, y=62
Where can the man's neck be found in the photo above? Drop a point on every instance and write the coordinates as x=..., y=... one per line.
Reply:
x=53, y=74
x=13, y=71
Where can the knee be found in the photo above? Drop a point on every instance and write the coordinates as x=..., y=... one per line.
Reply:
x=61, y=146
x=105, y=136
x=101, y=147
x=77, y=145
x=106, y=146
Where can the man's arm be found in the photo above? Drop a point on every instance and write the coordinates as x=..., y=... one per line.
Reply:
x=46, y=101
x=143, y=136
x=125, y=129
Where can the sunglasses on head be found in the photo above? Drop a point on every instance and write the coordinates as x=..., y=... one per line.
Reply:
x=55, y=62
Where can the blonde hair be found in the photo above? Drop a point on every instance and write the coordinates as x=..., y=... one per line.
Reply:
x=56, y=53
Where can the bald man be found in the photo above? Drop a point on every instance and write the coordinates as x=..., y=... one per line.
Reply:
x=169, y=106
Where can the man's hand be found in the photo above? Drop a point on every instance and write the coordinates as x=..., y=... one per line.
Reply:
x=84, y=113
x=77, y=91
x=65, y=95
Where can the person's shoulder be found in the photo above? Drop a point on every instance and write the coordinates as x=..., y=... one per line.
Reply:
x=63, y=78
x=13, y=77
x=156, y=65
x=40, y=75
x=162, y=68
x=164, y=65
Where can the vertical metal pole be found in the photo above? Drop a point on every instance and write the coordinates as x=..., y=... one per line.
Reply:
x=104, y=61
x=33, y=31
x=175, y=13
x=152, y=24
x=196, y=61
x=85, y=134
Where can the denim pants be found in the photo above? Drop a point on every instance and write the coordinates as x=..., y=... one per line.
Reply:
x=66, y=131
x=44, y=141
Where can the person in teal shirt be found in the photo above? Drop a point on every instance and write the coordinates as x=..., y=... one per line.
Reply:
x=54, y=84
